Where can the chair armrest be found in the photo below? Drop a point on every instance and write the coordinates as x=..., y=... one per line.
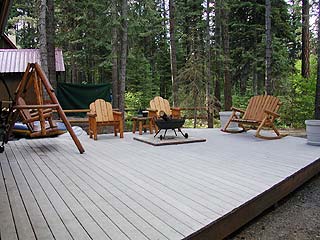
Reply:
x=117, y=115
x=276, y=115
x=175, y=112
x=152, y=110
x=91, y=114
x=237, y=110
x=153, y=113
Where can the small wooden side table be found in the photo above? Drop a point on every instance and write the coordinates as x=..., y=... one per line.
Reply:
x=143, y=122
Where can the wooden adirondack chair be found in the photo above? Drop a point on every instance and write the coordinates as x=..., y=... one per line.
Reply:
x=101, y=114
x=159, y=104
x=261, y=113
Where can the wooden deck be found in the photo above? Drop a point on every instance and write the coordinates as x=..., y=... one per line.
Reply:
x=125, y=189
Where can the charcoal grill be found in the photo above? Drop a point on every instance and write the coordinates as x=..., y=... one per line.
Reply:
x=170, y=123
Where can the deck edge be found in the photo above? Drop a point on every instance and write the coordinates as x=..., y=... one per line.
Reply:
x=240, y=216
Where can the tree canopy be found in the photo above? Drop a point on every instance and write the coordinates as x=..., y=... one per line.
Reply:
x=234, y=32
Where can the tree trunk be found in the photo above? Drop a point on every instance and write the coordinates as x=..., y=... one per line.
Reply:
x=123, y=60
x=195, y=111
x=217, y=90
x=254, y=79
x=50, y=44
x=173, y=53
x=163, y=40
x=305, y=61
x=317, y=98
x=226, y=53
x=268, y=80
x=243, y=85
x=43, y=37
x=255, y=70
x=209, y=73
x=187, y=32
x=114, y=54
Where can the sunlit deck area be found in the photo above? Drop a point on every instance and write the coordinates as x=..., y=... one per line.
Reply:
x=126, y=189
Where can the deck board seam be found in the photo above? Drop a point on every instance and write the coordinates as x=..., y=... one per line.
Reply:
x=146, y=209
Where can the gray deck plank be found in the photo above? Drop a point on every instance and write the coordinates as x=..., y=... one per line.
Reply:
x=170, y=182
x=152, y=227
x=20, y=215
x=69, y=197
x=144, y=182
x=173, y=154
x=137, y=171
x=112, y=170
x=100, y=209
x=68, y=218
x=38, y=222
x=125, y=189
x=130, y=197
x=57, y=227
x=7, y=226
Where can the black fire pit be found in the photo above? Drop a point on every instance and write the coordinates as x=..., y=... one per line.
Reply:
x=170, y=123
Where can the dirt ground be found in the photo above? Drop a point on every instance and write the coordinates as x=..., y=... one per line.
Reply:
x=297, y=217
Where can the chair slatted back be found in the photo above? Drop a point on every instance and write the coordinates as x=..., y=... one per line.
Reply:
x=257, y=105
x=160, y=104
x=103, y=110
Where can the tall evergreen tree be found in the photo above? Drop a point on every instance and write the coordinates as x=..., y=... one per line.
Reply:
x=268, y=78
x=43, y=36
x=123, y=59
x=209, y=97
x=114, y=53
x=317, y=97
x=218, y=44
x=50, y=31
x=226, y=57
x=305, y=55
x=173, y=53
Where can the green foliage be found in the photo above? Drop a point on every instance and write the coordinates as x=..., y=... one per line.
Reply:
x=241, y=101
x=139, y=75
x=136, y=100
x=298, y=105
x=192, y=78
x=23, y=20
x=84, y=33
x=247, y=43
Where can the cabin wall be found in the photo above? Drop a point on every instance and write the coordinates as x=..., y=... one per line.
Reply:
x=12, y=80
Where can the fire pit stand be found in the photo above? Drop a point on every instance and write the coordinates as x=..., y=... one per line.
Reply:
x=168, y=123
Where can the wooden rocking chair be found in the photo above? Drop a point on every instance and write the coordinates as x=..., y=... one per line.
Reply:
x=101, y=114
x=44, y=102
x=261, y=113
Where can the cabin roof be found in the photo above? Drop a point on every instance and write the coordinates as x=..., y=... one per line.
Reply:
x=16, y=60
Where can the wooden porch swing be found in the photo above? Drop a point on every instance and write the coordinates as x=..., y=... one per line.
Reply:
x=44, y=102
